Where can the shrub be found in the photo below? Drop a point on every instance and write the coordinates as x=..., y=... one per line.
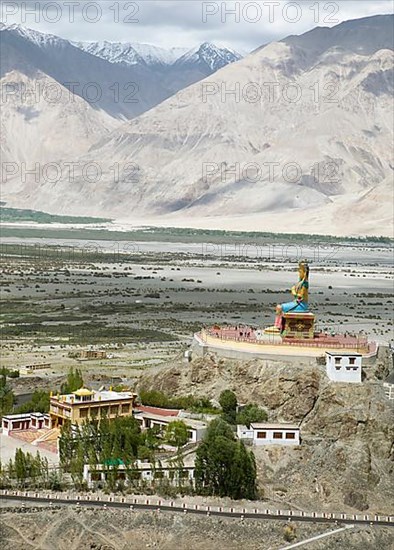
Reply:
x=289, y=533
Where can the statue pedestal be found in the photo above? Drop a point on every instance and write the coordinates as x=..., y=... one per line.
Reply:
x=298, y=325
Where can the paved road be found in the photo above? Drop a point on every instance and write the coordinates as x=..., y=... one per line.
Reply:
x=200, y=511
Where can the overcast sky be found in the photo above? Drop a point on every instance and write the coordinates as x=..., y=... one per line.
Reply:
x=185, y=22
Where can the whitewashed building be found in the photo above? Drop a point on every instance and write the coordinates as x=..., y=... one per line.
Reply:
x=243, y=432
x=388, y=386
x=140, y=472
x=344, y=367
x=25, y=421
x=196, y=429
x=266, y=433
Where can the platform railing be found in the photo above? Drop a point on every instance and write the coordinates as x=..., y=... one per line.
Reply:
x=232, y=334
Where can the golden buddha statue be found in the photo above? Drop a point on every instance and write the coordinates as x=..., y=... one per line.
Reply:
x=300, y=302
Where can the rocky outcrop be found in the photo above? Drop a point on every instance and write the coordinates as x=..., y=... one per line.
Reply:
x=347, y=454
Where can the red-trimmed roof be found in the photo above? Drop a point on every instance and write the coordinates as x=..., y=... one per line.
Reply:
x=157, y=410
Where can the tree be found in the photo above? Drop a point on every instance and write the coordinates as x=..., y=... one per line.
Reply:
x=7, y=397
x=176, y=434
x=251, y=413
x=228, y=402
x=76, y=467
x=39, y=402
x=105, y=442
x=20, y=467
x=66, y=444
x=28, y=468
x=9, y=372
x=151, y=439
x=243, y=473
x=155, y=398
x=74, y=381
x=218, y=427
x=289, y=533
x=223, y=466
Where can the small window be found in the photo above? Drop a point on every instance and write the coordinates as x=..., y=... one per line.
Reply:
x=183, y=473
x=278, y=435
x=190, y=435
x=5, y=422
x=94, y=412
x=337, y=360
x=83, y=413
x=261, y=435
x=95, y=476
x=114, y=409
x=352, y=360
x=290, y=435
x=159, y=475
x=125, y=409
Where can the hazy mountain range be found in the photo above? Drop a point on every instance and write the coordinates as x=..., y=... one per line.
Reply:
x=297, y=136
x=131, y=78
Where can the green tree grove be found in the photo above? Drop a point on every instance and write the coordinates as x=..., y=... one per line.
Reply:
x=224, y=467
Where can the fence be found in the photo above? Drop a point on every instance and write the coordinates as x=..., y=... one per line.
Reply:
x=158, y=504
x=232, y=334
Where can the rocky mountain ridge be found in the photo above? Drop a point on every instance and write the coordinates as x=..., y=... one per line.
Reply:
x=299, y=129
x=346, y=457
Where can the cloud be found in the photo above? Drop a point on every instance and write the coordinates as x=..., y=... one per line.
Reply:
x=243, y=24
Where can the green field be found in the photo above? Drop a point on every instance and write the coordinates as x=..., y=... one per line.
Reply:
x=173, y=234
x=21, y=215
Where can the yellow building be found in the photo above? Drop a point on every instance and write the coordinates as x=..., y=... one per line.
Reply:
x=83, y=405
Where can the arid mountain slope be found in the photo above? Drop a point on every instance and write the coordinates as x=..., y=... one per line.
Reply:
x=303, y=133
x=42, y=122
x=81, y=529
x=298, y=130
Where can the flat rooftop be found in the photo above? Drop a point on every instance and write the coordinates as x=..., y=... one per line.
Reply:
x=197, y=424
x=343, y=354
x=277, y=426
x=96, y=397
x=157, y=410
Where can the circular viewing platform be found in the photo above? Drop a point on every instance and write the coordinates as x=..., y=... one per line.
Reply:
x=247, y=340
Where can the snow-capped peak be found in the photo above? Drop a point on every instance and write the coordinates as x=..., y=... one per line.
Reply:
x=114, y=52
x=210, y=54
x=41, y=39
x=131, y=53
x=156, y=55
